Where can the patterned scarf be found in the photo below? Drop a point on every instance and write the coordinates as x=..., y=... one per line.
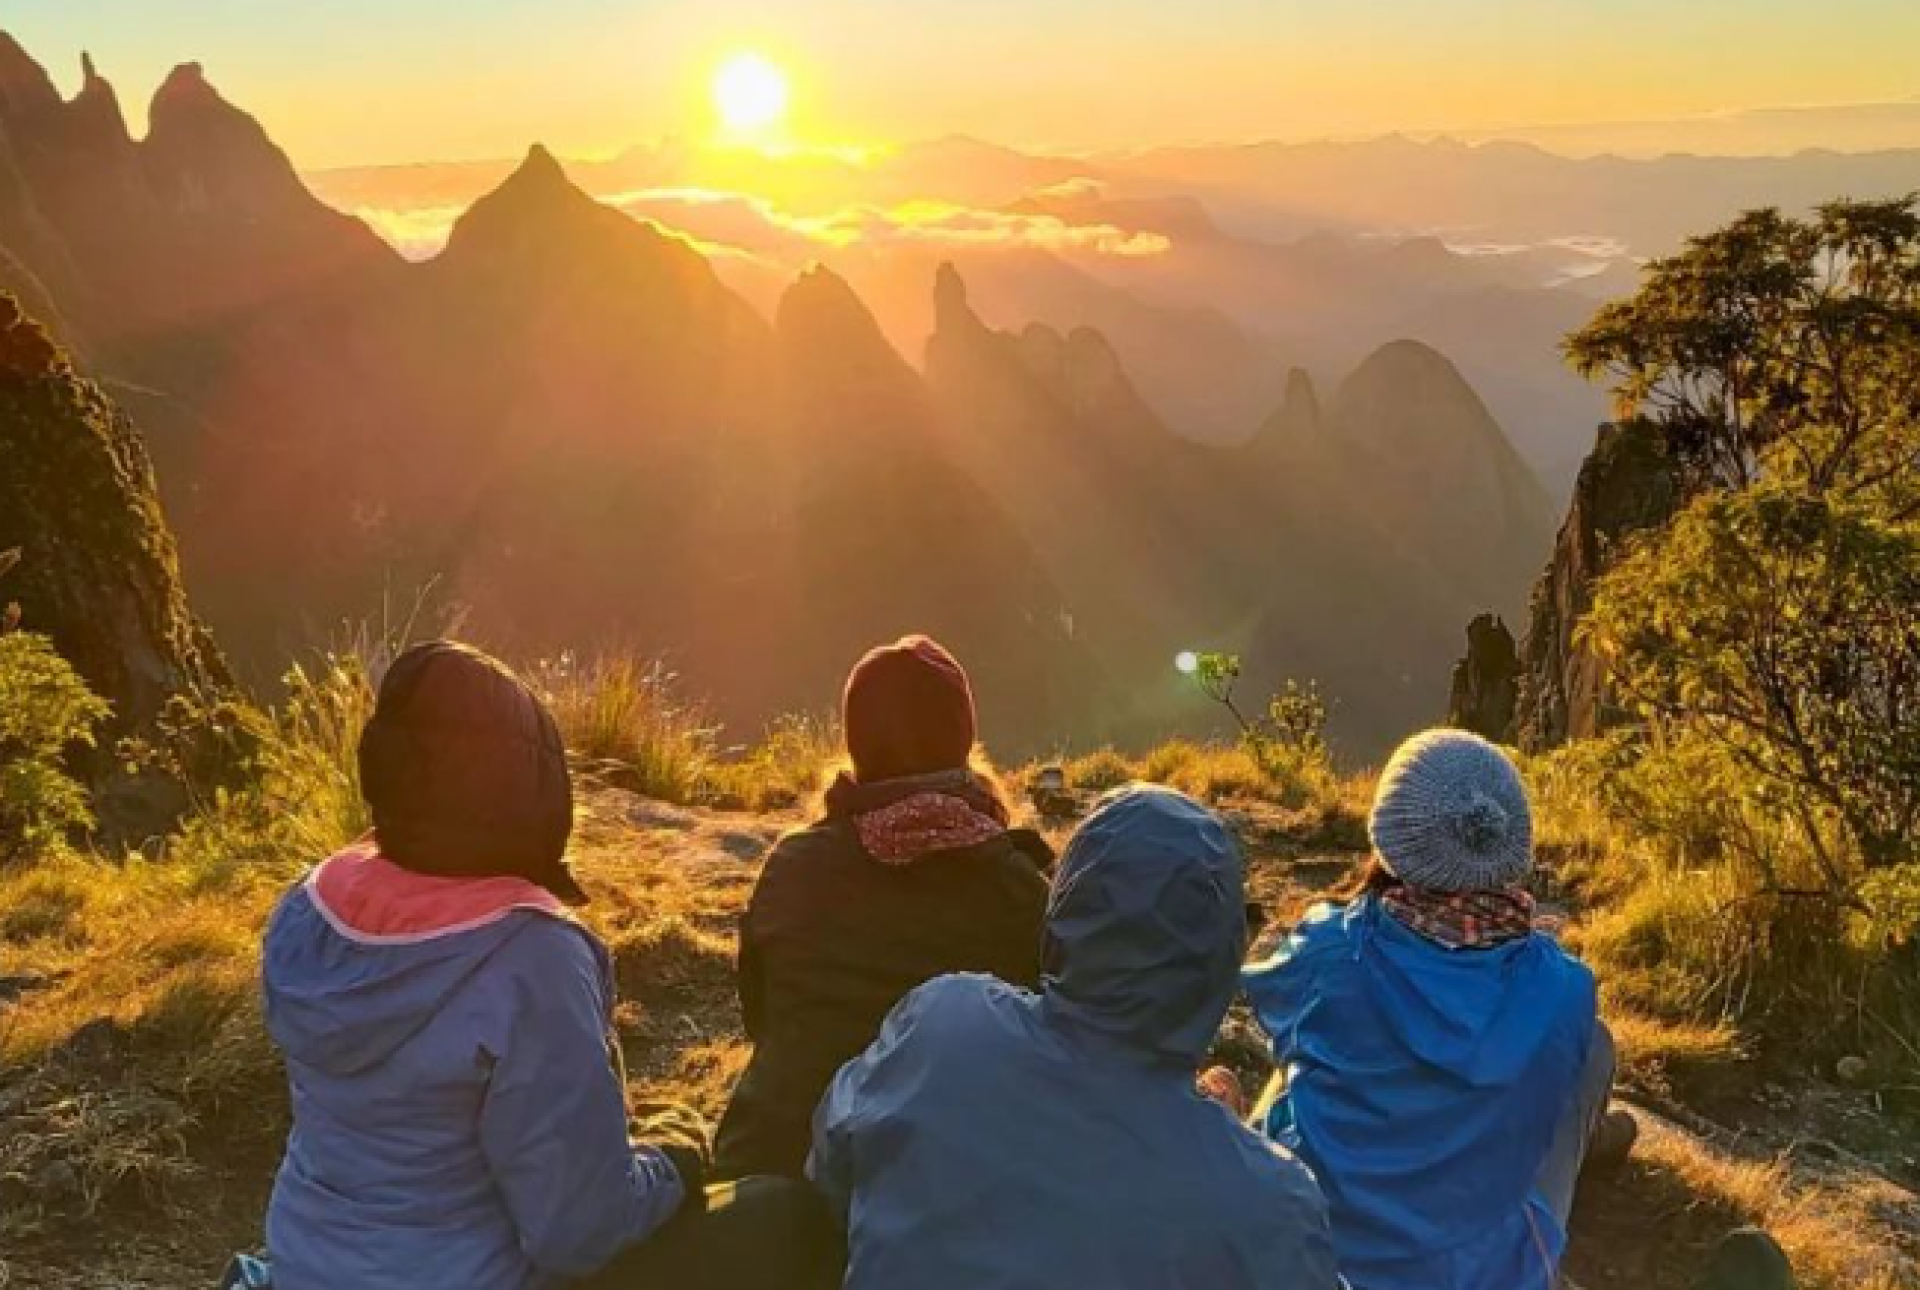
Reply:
x=1462, y=920
x=900, y=820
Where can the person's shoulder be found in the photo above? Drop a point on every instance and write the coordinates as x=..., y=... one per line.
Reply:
x=1563, y=962
x=823, y=841
x=956, y=1007
x=1282, y=1180
x=539, y=946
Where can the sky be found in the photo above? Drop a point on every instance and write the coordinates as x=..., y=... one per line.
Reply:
x=341, y=82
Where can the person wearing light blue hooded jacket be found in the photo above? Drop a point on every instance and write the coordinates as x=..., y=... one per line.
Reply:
x=997, y=1139
x=1442, y=1068
x=458, y=1120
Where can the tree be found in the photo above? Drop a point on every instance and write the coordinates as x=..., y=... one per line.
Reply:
x=1785, y=629
x=1778, y=617
x=1779, y=339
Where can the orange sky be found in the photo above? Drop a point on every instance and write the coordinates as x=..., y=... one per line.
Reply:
x=385, y=80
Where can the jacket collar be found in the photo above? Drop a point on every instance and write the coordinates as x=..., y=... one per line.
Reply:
x=369, y=899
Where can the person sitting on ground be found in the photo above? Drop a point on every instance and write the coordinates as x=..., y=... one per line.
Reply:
x=911, y=872
x=1443, y=1070
x=996, y=1137
x=459, y=1118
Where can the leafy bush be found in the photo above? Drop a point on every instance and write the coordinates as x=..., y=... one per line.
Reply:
x=46, y=710
x=1785, y=630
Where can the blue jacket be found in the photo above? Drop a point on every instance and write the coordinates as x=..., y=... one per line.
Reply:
x=1424, y=1087
x=457, y=1124
x=995, y=1139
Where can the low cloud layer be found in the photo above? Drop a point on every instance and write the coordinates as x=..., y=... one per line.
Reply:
x=733, y=224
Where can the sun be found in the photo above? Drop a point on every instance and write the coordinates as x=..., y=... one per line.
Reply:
x=750, y=92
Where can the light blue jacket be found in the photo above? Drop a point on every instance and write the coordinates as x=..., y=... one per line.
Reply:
x=1424, y=1087
x=993, y=1139
x=456, y=1122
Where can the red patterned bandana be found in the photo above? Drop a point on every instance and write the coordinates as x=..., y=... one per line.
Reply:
x=903, y=831
x=1462, y=920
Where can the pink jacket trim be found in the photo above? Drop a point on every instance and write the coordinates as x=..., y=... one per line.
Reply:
x=369, y=899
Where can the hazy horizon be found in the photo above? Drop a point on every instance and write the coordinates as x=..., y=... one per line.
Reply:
x=593, y=77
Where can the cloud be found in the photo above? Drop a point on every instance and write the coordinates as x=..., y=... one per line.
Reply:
x=417, y=232
x=739, y=225
x=942, y=223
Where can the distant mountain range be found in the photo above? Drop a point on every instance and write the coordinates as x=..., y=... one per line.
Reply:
x=1211, y=269
x=599, y=432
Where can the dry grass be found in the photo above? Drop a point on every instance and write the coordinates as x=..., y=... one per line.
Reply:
x=1835, y=1229
x=627, y=718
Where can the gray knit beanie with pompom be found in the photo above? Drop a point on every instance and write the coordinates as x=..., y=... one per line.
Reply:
x=1451, y=814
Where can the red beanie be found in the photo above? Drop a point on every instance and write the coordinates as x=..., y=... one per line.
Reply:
x=908, y=710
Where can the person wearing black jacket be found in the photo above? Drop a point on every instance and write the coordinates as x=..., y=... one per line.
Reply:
x=912, y=872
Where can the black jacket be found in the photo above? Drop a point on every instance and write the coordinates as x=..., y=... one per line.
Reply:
x=833, y=938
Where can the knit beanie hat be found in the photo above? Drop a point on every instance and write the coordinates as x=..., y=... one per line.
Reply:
x=908, y=710
x=1451, y=814
x=464, y=771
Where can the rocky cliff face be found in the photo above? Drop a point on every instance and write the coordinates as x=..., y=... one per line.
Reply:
x=97, y=570
x=1486, y=683
x=1629, y=484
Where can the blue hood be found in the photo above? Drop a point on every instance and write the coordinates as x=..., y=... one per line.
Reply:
x=1146, y=927
x=1481, y=1015
x=343, y=1006
x=1425, y=1086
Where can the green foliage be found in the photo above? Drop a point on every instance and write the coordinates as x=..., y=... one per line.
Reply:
x=1288, y=744
x=1777, y=337
x=1784, y=629
x=1706, y=912
x=46, y=710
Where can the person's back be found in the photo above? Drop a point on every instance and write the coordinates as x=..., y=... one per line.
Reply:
x=1440, y=1056
x=996, y=1138
x=443, y=1049
x=457, y=1121
x=911, y=873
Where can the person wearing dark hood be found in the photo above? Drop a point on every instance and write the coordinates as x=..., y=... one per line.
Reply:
x=998, y=1139
x=459, y=1119
x=1443, y=1070
x=912, y=871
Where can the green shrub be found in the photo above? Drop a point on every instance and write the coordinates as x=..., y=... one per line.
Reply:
x=46, y=710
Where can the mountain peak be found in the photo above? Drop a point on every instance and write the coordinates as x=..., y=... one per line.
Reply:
x=26, y=351
x=950, y=307
x=819, y=291
x=541, y=166
x=186, y=86
x=99, y=104
x=539, y=181
x=25, y=86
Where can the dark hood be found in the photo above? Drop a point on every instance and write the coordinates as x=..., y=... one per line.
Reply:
x=1147, y=926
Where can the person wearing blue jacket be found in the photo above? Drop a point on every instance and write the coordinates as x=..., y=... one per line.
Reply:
x=1442, y=1066
x=459, y=1118
x=997, y=1139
